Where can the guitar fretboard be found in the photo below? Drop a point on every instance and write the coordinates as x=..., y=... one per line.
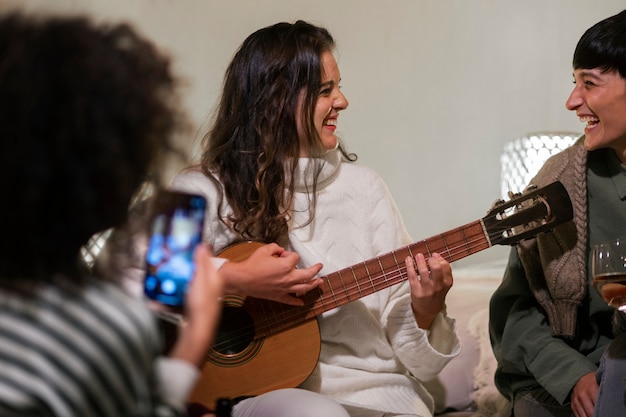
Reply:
x=365, y=278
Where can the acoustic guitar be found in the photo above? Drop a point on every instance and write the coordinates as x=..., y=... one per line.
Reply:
x=264, y=345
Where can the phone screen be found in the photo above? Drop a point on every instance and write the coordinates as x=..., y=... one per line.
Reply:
x=176, y=230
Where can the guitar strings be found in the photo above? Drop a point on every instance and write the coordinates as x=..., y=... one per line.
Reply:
x=282, y=316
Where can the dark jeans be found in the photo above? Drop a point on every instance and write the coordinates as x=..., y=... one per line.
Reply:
x=538, y=403
x=611, y=376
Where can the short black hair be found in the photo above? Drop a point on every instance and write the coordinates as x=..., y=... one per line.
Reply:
x=603, y=46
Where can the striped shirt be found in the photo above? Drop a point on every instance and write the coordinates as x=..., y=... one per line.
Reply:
x=90, y=352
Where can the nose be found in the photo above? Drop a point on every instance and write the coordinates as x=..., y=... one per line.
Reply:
x=575, y=99
x=340, y=101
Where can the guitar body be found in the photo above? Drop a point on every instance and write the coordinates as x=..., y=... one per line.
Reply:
x=283, y=360
x=263, y=345
x=242, y=363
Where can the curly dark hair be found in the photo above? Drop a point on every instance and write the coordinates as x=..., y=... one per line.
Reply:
x=253, y=147
x=86, y=113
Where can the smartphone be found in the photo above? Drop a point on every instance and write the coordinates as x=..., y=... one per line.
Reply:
x=176, y=226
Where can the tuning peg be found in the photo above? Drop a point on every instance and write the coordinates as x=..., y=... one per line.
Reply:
x=497, y=202
x=513, y=195
x=531, y=187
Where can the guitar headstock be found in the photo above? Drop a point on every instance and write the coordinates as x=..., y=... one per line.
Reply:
x=527, y=214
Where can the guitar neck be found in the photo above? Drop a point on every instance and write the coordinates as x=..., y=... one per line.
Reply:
x=357, y=281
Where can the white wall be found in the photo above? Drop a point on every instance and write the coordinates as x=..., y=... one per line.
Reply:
x=436, y=86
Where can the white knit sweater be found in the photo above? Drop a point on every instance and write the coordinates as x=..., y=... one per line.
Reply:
x=373, y=353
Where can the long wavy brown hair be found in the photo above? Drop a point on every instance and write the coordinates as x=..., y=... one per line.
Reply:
x=252, y=149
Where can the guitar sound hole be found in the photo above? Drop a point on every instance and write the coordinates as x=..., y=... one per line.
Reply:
x=235, y=332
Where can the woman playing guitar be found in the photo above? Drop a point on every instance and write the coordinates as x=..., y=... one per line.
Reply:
x=273, y=170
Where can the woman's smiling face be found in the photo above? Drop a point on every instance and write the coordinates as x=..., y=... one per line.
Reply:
x=599, y=100
x=329, y=102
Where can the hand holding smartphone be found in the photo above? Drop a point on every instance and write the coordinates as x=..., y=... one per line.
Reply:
x=176, y=229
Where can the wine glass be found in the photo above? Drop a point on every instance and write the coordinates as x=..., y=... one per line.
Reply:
x=608, y=267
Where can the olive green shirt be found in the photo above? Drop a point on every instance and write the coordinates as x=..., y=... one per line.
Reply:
x=528, y=354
